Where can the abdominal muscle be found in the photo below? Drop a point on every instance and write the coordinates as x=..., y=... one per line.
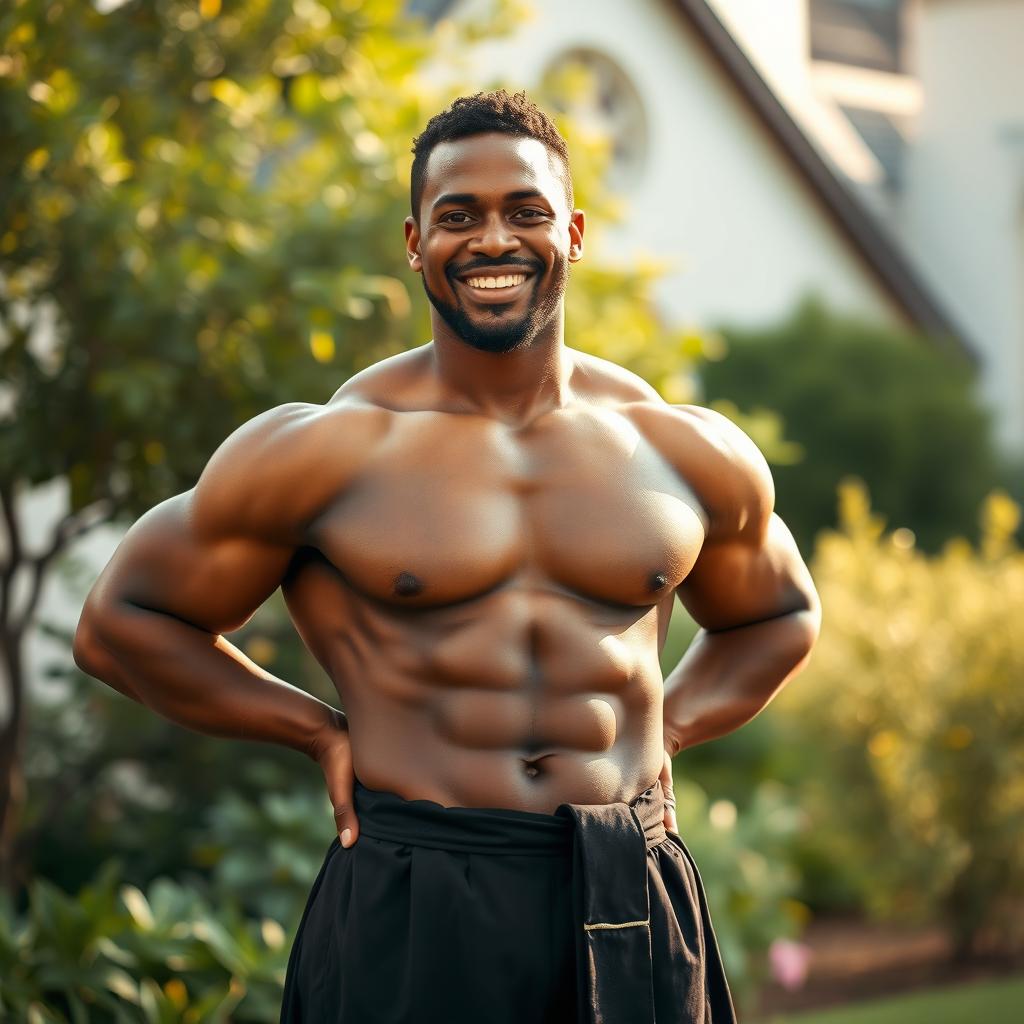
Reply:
x=409, y=755
x=510, y=702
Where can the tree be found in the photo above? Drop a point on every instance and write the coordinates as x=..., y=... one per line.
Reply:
x=858, y=398
x=202, y=218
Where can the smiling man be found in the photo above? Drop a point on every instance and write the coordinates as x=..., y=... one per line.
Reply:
x=481, y=541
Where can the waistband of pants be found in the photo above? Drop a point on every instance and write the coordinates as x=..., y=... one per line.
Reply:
x=495, y=830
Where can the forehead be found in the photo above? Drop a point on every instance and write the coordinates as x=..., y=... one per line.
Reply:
x=492, y=164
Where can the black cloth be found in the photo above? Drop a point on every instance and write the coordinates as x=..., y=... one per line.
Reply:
x=593, y=915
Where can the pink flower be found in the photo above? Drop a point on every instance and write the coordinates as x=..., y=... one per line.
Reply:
x=789, y=962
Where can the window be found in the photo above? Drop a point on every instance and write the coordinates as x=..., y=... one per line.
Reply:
x=600, y=95
x=866, y=33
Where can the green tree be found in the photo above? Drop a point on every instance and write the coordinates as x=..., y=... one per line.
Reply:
x=893, y=408
x=201, y=217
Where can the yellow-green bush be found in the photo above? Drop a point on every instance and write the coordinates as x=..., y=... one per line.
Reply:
x=914, y=700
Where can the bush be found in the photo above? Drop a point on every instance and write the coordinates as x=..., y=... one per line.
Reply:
x=913, y=700
x=117, y=954
x=743, y=861
x=893, y=408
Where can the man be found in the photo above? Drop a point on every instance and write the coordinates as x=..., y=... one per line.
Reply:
x=481, y=541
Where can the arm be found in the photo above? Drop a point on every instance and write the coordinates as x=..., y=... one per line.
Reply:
x=749, y=591
x=199, y=565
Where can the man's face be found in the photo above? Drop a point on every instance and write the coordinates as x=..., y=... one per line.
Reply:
x=495, y=239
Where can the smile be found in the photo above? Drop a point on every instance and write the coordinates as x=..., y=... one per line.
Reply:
x=488, y=288
x=507, y=281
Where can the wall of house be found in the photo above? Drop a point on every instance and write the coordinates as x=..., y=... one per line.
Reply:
x=965, y=184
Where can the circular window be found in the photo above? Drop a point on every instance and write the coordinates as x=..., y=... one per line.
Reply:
x=595, y=91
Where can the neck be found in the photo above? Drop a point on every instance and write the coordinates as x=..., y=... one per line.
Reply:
x=512, y=386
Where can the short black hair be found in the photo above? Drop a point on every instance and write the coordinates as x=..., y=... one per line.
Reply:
x=483, y=112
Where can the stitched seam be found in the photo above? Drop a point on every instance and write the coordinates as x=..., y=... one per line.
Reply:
x=624, y=924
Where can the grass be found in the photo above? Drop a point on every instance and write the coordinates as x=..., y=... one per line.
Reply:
x=966, y=1004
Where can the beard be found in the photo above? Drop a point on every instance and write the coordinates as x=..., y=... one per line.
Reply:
x=493, y=332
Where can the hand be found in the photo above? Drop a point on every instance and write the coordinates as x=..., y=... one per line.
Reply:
x=670, y=795
x=332, y=750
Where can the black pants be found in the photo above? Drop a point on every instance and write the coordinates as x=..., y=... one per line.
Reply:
x=594, y=914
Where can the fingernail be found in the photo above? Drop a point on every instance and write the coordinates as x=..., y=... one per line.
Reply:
x=346, y=837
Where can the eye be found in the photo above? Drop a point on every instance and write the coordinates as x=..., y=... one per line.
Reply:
x=536, y=213
x=447, y=218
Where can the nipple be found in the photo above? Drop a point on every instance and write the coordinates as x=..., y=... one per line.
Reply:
x=407, y=585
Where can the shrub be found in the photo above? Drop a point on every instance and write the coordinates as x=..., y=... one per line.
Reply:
x=117, y=954
x=914, y=699
x=895, y=409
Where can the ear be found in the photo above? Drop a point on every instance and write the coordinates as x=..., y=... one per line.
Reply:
x=577, y=222
x=412, y=245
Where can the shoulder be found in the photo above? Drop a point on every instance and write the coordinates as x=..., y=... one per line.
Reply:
x=392, y=384
x=717, y=459
x=602, y=379
x=276, y=472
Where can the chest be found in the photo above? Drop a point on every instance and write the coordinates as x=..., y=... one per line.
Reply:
x=453, y=510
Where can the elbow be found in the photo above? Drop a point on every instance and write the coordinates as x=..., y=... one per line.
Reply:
x=810, y=620
x=806, y=627
x=91, y=647
x=86, y=648
x=805, y=616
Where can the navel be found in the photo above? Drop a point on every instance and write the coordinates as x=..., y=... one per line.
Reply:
x=532, y=768
x=407, y=585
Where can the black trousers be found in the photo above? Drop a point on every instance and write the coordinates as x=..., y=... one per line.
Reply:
x=594, y=914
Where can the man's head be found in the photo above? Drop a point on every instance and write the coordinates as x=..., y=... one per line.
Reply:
x=492, y=202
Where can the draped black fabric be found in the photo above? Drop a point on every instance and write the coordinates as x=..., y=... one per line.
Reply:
x=592, y=915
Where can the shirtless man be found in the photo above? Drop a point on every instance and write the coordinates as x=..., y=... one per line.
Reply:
x=481, y=541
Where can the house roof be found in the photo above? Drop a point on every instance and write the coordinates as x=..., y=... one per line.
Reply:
x=880, y=253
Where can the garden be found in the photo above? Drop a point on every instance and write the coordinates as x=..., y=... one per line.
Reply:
x=201, y=218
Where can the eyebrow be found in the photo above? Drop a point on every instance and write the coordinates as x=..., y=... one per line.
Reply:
x=468, y=198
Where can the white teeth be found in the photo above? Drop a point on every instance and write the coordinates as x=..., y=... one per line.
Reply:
x=507, y=281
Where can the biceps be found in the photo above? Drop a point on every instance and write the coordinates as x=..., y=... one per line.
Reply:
x=742, y=581
x=166, y=565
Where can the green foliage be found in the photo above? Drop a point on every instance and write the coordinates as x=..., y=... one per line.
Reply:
x=741, y=856
x=913, y=710
x=117, y=954
x=266, y=853
x=856, y=398
x=198, y=201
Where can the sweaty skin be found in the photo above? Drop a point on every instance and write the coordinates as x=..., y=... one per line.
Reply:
x=482, y=549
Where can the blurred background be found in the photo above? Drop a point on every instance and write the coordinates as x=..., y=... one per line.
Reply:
x=808, y=214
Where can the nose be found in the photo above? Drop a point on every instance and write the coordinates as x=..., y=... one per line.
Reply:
x=494, y=238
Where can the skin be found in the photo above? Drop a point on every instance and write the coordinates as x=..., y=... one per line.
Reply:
x=482, y=549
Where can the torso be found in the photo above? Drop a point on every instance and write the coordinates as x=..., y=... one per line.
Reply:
x=490, y=601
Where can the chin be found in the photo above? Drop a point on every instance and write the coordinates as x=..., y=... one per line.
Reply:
x=485, y=336
x=488, y=339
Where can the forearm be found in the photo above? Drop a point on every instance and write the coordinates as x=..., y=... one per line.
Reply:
x=197, y=679
x=728, y=676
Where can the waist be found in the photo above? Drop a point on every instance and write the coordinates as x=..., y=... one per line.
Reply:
x=494, y=830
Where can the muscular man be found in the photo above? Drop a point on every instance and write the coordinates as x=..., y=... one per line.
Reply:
x=481, y=541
